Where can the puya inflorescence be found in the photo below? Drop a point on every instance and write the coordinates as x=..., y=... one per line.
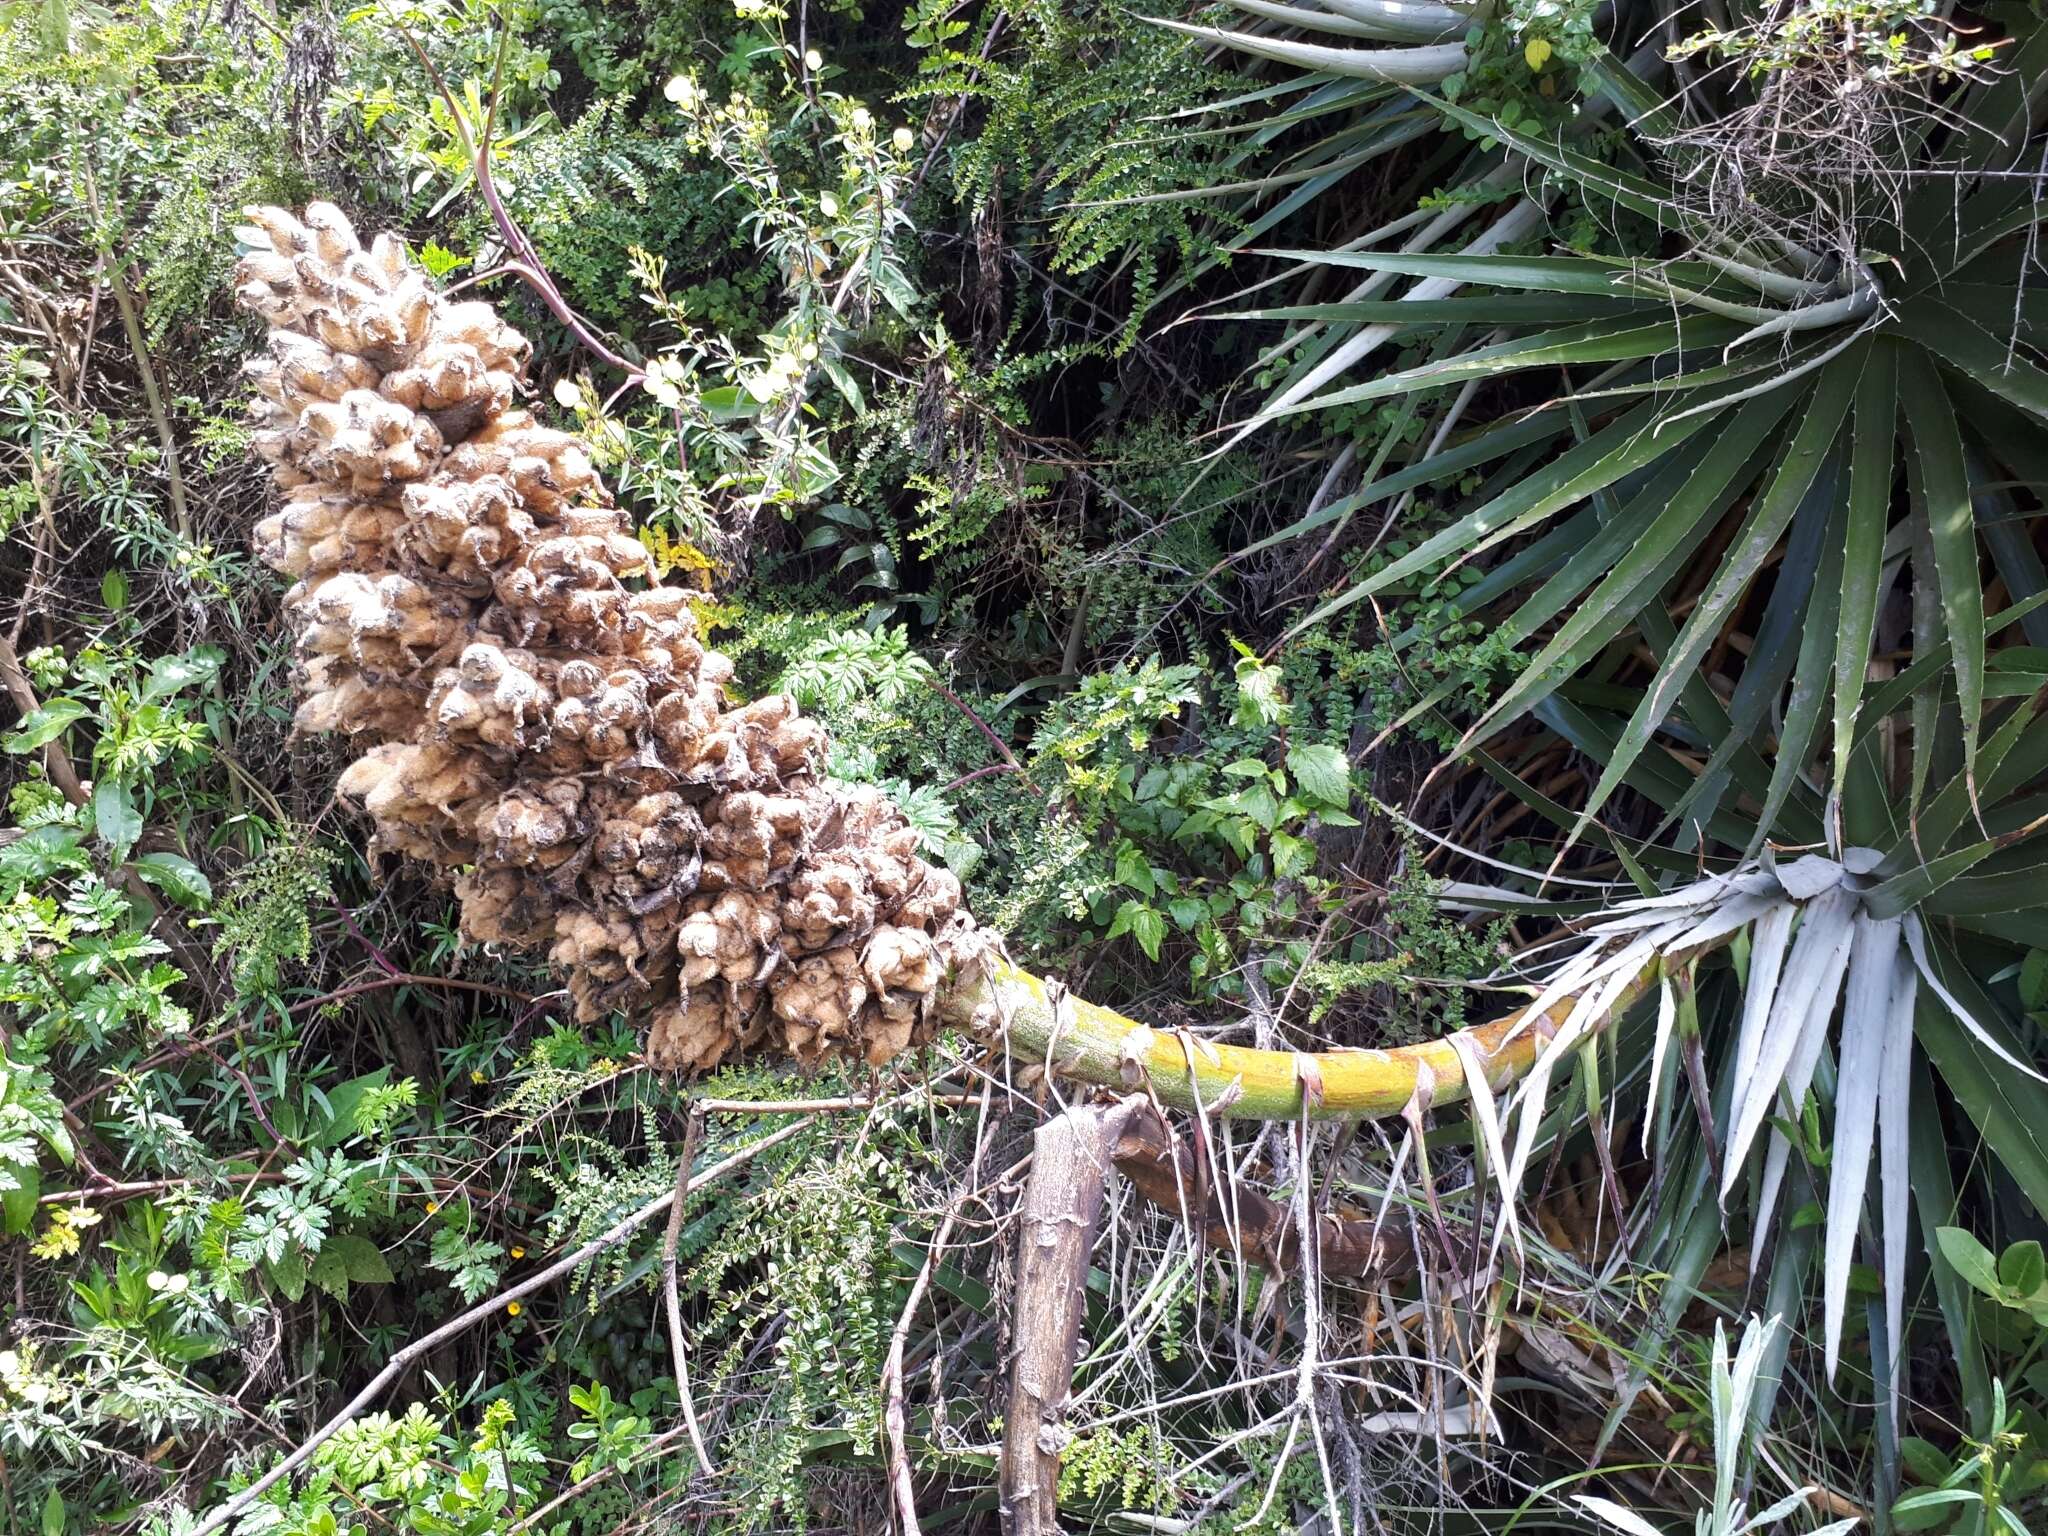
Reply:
x=539, y=719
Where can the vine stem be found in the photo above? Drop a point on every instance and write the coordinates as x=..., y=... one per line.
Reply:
x=463, y=1322
x=1002, y=747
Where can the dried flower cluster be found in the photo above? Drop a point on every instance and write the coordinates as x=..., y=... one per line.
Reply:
x=540, y=723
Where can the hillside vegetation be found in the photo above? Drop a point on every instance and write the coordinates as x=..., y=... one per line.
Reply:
x=1330, y=521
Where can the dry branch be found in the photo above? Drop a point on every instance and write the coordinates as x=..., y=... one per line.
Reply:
x=1167, y=1171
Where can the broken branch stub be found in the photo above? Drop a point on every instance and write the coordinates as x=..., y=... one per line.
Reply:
x=553, y=739
x=1056, y=1222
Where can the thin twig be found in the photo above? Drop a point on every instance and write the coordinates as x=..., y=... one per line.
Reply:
x=463, y=1322
x=893, y=1422
x=407, y=979
x=56, y=762
x=152, y=395
x=1001, y=746
x=693, y=1132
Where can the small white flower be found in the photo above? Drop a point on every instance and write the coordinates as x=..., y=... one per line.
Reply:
x=178, y=1285
x=903, y=138
x=808, y=351
x=568, y=394
x=814, y=60
x=863, y=119
x=828, y=205
x=158, y=1280
x=681, y=90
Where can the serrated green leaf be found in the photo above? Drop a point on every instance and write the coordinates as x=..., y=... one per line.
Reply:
x=1321, y=773
x=1871, y=469
x=1627, y=338
x=1813, y=441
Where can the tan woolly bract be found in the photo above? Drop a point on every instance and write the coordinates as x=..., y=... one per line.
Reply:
x=538, y=722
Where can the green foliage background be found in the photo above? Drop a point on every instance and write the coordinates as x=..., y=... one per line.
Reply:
x=1026, y=389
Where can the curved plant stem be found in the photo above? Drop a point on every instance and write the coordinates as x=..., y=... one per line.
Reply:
x=1041, y=1022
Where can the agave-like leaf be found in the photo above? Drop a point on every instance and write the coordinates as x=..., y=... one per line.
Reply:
x=1386, y=24
x=1425, y=20
x=1813, y=442
x=1867, y=1013
x=1813, y=972
x=1768, y=942
x=1943, y=488
x=1487, y=1114
x=1870, y=491
x=1394, y=66
x=1660, y=1051
x=1894, y=1160
x=1520, y=221
x=1916, y=942
x=1627, y=338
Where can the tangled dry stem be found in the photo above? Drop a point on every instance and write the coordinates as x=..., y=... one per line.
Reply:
x=540, y=721
x=1824, y=148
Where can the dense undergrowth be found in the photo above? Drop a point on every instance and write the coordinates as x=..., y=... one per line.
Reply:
x=1026, y=389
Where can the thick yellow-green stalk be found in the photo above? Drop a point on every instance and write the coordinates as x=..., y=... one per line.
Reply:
x=1041, y=1022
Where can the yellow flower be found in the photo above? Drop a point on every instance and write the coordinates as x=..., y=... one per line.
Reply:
x=433, y=1206
x=518, y=1253
x=476, y=1075
x=513, y=1309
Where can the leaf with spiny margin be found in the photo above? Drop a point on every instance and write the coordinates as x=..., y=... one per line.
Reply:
x=1489, y=310
x=1943, y=490
x=1628, y=338
x=1817, y=654
x=1593, y=176
x=1424, y=65
x=1813, y=440
x=1868, y=1009
x=1617, y=450
x=1872, y=467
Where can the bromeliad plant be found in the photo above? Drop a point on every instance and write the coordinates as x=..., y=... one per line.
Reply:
x=1700, y=378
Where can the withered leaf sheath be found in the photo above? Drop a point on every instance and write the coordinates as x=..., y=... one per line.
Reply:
x=540, y=723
